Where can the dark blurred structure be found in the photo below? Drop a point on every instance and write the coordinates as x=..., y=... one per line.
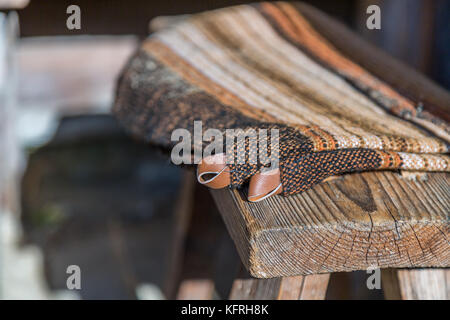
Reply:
x=441, y=45
x=95, y=198
x=48, y=17
x=414, y=31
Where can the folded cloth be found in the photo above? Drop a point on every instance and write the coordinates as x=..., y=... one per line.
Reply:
x=264, y=66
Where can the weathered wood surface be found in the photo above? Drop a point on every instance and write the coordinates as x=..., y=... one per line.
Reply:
x=359, y=220
x=311, y=287
x=416, y=284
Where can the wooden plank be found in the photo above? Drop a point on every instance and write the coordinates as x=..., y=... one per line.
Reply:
x=311, y=287
x=290, y=288
x=416, y=284
x=203, y=260
x=315, y=287
x=183, y=214
x=255, y=289
x=352, y=223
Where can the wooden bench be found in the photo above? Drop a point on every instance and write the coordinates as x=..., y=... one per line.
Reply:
x=351, y=223
x=391, y=220
x=292, y=245
x=357, y=221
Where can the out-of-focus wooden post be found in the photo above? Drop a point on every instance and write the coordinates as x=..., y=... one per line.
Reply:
x=9, y=150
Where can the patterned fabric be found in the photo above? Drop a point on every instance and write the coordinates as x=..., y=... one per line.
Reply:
x=265, y=66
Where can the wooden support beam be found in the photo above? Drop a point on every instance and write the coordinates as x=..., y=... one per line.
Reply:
x=203, y=259
x=416, y=284
x=311, y=287
x=314, y=287
x=183, y=213
x=370, y=219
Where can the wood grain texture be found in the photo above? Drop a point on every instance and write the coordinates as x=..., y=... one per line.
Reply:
x=416, y=284
x=314, y=287
x=359, y=220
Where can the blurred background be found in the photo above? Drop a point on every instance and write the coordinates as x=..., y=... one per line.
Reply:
x=75, y=190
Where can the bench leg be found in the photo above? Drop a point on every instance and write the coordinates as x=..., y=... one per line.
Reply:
x=204, y=260
x=182, y=220
x=416, y=284
x=311, y=287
